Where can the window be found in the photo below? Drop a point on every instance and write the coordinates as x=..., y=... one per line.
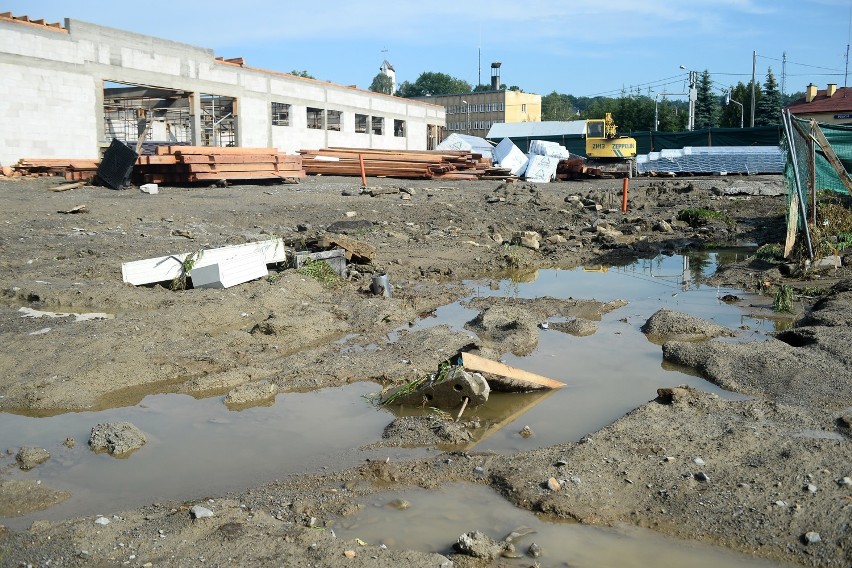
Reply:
x=315, y=118
x=399, y=128
x=523, y=108
x=378, y=125
x=280, y=114
x=361, y=123
x=333, y=120
x=501, y=107
x=487, y=107
x=482, y=107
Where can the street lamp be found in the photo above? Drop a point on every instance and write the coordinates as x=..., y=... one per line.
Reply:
x=729, y=100
x=693, y=96
x=657, y=108
x=466, y=117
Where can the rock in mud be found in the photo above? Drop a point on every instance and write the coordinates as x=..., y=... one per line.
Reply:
x=421, y=431
x=579, y=327
x=251, y=394
x=672, y=324
x=478, y=545
x=116, y=438
x=29, y=457
x=199, y=512
x=507, y=328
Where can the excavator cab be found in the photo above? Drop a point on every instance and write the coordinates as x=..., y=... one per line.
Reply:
x=606, y=150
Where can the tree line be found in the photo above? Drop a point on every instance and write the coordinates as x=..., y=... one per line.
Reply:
x=631, y=110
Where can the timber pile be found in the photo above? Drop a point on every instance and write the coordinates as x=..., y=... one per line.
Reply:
x=408, y=164
x=575, y=168
x=189, y=164
x=72, y=169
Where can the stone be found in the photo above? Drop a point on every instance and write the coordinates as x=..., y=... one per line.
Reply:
x=672, y=395
x=553, y=484
x=102, y=521
x=349, y=553
x=534, y=550
x=847, y=481
x=811, y=487
x=478, y=545
x=116, y=438
x=578, y=327
x=199, y=512
x=701, y=476
x=350, y=214
x=698, y=461
x=252, y=393
x=526, y=432
x=663, y=226
x=304, y=227
x=811, y=537
x=69, y=442
x=557, y=240
x=29, y=457
x=399, y=504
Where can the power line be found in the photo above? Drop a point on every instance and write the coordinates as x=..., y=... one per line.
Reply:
x=655, y=83
x=800, y=64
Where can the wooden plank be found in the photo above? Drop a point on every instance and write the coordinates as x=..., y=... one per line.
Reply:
x=185, y=150
x=229, y=158
x=229, y=168
x=479, y=364
x=67, y=186
x=792, y=226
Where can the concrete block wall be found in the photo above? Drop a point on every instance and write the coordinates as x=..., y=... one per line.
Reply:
x=51, y=95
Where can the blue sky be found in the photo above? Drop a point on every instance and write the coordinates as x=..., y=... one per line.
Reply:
x=580, y=47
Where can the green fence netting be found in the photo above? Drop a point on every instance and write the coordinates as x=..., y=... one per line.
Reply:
x=815, y=171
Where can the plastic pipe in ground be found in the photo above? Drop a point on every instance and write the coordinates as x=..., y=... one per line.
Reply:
x=624, y=196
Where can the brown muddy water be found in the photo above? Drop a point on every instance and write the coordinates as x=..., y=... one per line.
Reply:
x=431, y=521
x=199, y=448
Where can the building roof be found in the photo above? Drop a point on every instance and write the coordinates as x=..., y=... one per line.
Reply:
x=841, y=100
x=533, y=129
x=386, y=65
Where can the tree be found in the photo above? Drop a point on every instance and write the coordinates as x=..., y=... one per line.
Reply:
x=707, y=104
x=382, y=84
x=768, y=110
x=556, y=106
x=481, y=87
x=729, y=117
x=304, y=74
x=432, y=83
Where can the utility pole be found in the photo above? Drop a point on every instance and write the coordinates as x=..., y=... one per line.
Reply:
x=753, y=84
x=784, y=74
x=693, y=97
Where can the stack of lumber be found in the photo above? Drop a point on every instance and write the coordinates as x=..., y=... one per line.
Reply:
x=188, y=164
x=72, y=169
x=575, y=168
x=409, y=164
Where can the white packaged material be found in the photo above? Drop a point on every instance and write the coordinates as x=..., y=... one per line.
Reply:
x=509, y=156
x=550, y=149
x=541, y=169
x=149, y=188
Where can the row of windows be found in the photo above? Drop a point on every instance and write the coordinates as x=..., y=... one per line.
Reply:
x=333, y=120
x=474, y=125
x=482, y=107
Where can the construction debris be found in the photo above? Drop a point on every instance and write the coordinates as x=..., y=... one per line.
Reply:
x=506, y=377
x=356, y=251
x=408, y=164
x=167, y=268
x=189, y=164
x=455, y=389
x=72, y=169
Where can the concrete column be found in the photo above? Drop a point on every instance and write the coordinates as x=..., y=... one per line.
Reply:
x=195, y=117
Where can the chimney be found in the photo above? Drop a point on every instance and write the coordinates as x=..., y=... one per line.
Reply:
x=832, y=88
x=495, y=76
x=810, y=93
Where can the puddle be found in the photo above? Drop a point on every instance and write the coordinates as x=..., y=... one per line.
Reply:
x=78, y=316
x=195, y=448
x=436, y=518
x=614, y=370
x=198, y=448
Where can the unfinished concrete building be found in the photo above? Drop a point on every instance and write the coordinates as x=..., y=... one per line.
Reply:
x=69, y=89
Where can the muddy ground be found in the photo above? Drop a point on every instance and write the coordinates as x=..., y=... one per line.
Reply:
x=752, y=490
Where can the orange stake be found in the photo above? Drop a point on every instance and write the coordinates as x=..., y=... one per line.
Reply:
x=624, y=196
x=363, y=173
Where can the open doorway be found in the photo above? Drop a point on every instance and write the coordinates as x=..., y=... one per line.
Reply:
x=155, y=115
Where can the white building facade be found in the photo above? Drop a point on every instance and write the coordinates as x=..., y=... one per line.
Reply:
x=66, y=91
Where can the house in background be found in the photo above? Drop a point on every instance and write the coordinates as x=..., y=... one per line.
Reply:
x=832, y=105
x=476, y=112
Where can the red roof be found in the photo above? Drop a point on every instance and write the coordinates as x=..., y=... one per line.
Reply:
x=841, y=100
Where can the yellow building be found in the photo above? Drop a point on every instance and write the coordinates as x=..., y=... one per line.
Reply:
x=474, y=113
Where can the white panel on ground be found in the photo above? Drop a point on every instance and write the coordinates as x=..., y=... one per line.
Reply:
x=165, y=268
x=541, y=169
x=229, y=272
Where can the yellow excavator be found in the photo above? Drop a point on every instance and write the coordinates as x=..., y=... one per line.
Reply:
x=608, y=151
